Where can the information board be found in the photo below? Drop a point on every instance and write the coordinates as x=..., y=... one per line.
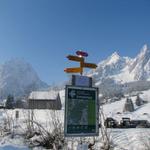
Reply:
x=81, y=111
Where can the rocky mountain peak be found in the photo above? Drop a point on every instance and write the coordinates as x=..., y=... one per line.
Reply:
x=124, y=69
x=113, y=58
x=18, y=77
x=144, y=52
x=141, y=63
x=115, y=54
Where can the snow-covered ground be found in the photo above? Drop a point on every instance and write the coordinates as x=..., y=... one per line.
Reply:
x=115, y=109
x=7, y=141
x=123, y=139
x=17, y=140
x=131, y=139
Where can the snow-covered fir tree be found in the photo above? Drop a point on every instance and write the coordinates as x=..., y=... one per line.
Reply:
x=128, y=107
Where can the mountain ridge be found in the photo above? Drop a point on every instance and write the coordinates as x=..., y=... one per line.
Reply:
x=123, y=69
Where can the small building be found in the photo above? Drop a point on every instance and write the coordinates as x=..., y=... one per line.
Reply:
x=44, y=100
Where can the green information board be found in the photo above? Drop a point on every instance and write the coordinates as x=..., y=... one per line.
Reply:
x=81, y=111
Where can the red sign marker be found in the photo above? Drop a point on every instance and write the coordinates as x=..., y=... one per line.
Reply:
x=81, y=53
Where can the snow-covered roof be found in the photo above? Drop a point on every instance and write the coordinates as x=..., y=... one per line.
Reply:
x=43, y=95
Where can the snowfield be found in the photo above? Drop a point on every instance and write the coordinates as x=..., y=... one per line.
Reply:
x=141, y=112
x=122, y=139
x=131, y=139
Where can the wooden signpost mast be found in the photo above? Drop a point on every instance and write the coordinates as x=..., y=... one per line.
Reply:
x=80, y=94
x=83, y=64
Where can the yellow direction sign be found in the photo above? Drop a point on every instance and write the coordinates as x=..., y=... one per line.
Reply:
x=89, y=65
x=75, y=58
x=80, y=59
x=73, y=70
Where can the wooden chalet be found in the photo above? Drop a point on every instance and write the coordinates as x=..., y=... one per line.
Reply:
x=44, y=100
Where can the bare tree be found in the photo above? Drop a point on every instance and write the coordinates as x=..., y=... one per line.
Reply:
x=107, y=143
x=8, y=123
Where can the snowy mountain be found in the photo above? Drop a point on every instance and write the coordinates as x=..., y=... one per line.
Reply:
x=141, y=65
x=124, y=69
x=18, y=78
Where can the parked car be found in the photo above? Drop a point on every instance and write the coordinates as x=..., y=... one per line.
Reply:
x=125, y=123
x=140, y=123
x=110, y=123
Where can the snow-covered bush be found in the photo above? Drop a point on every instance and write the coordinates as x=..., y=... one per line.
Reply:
x=40, y=135
x=8, y=123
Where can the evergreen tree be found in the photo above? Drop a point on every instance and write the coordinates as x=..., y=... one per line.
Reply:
x=20, y=104
x=10, y=102
x=129, y=107
x=138, y=101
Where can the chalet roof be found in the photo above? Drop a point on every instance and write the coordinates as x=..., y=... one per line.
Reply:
x=43, y=95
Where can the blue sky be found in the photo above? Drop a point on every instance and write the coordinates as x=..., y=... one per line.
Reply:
x=43, y=32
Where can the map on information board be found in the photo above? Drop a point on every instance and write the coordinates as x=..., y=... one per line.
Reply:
x=81, y=111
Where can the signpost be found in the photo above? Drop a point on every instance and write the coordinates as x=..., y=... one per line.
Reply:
x=17, y=114
x=79, y=58
x=73, y=70
x=81, y=103
x=75, y=58
x=89, y=65
x=81, y=111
